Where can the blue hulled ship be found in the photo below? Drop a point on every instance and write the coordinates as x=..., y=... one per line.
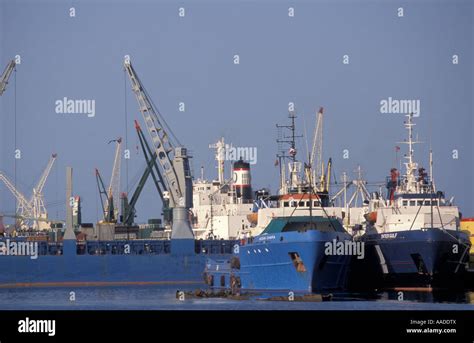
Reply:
x=298, y=254
x=413, y=238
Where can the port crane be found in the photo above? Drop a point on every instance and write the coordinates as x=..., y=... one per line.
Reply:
x=108, y=213
x=172, y=158
x=37, y=198
x=128, y=213
x=109, y=198
x=114, y=185
x=23, y=206
x=6, y=76
x=33, y=209
x=316, y=158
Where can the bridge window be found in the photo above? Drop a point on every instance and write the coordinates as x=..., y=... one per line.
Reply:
x=412, y=202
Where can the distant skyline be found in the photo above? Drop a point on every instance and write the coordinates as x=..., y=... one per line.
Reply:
x=346, y=56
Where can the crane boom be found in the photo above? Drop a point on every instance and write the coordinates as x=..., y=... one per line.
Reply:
x=150, y=158
x=6, y=75
x=23, y=206
x=102, y=195
x=316, y=161
x=328, y=175
x=114, y=185
x=42, y=181
x=174, y=163
x=150, y=163
x=173, y=160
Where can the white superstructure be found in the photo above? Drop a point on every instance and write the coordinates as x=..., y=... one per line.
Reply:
x=219, y=211
x=413, y=202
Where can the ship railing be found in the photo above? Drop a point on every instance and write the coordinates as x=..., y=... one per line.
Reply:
x=43, y=247
x=139, y=247
x=214, y=247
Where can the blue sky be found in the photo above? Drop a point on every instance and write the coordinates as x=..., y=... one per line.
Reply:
x=190, y=59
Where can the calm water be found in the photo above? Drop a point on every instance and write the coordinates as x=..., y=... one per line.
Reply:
x=164, y=298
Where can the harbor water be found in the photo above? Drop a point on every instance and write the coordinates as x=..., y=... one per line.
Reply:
x=165, y=298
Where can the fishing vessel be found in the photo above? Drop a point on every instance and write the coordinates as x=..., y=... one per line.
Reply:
x=289, y=247
x=297, y=254
x=413, y=238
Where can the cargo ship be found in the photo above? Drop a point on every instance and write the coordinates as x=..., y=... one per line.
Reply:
x=113, y=252
x=221, y=206
x=71, y=263
x=413, y=238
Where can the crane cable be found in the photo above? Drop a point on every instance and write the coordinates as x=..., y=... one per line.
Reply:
x=15, y=147
x=126, y=127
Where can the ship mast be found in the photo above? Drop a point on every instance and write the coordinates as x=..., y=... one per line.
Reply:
x=219, y=146
x=411, y=166
x=282, y=156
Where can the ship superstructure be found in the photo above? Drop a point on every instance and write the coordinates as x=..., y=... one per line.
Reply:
x=304, y=187
x=221, y=207
x=413, y=236
x=412, y=198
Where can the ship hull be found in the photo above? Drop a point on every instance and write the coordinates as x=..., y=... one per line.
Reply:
x=72, y=269
x=269, y=263
x=412, y=258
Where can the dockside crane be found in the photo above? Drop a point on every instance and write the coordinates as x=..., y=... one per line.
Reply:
x=172, y=159
x=316, y=159
x=23, y=206
x=33, y=209
x=108, y=213
x=109, y=198
x=6, y=76
x=37, y=198
x=113, y=191
x=128, y=213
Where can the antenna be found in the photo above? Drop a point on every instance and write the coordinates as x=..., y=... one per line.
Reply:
x=411, y=166
x=282, y=153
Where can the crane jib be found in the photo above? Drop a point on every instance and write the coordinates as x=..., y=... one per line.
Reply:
x=173, y=160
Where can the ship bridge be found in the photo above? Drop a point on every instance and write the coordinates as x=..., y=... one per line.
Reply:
x=420, y=199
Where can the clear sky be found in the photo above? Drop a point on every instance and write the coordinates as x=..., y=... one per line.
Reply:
x=190, y=59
